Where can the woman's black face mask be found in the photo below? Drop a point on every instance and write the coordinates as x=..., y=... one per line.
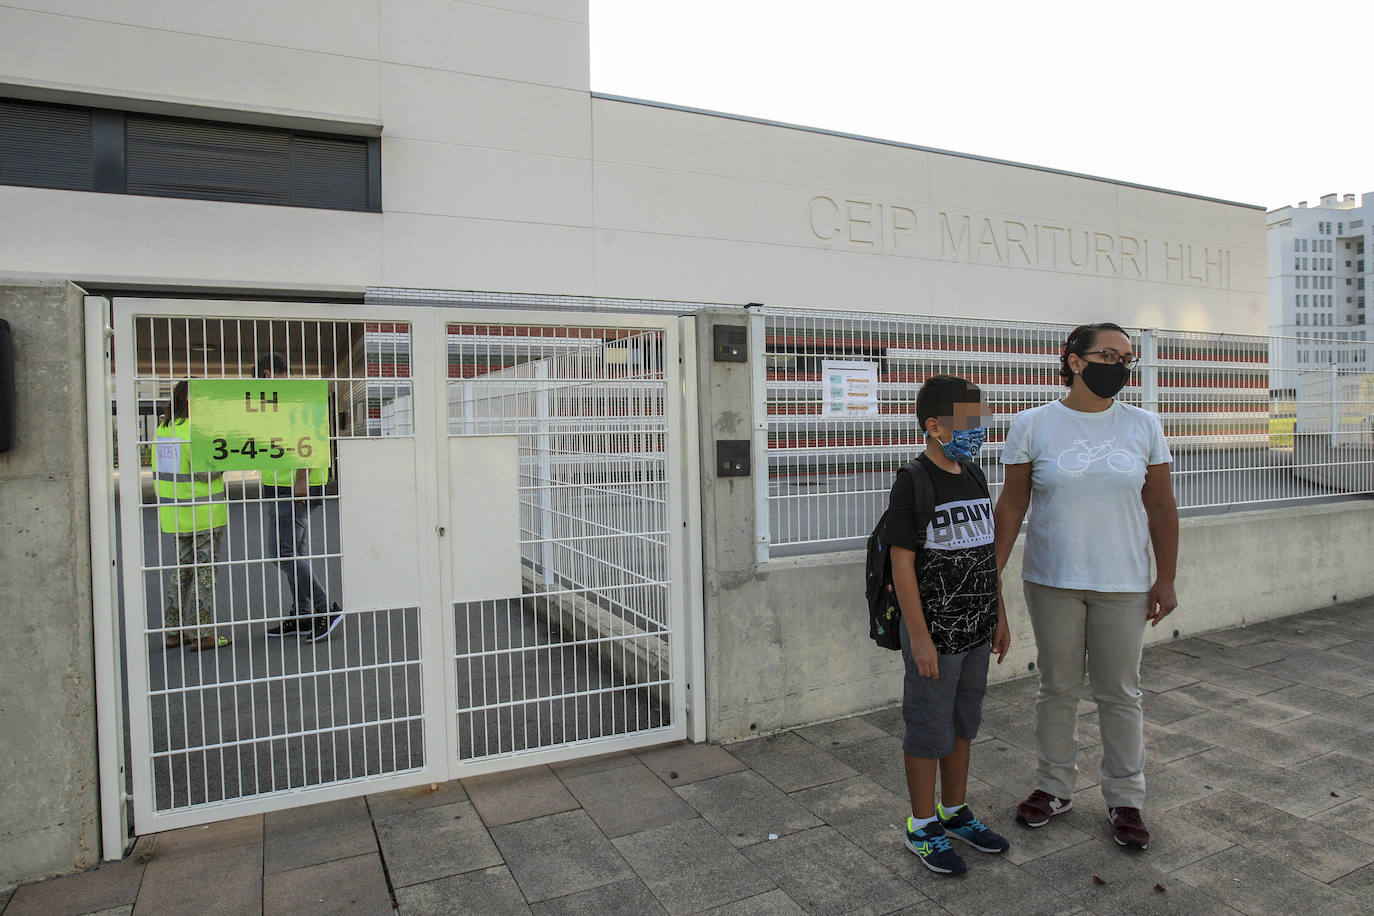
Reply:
x=1105, y=380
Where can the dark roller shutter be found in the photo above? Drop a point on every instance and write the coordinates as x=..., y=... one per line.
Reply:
x=207, y=161
x=329, y=173
x=45, y=146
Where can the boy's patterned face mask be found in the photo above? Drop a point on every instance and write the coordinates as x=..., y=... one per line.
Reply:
x=963, y=444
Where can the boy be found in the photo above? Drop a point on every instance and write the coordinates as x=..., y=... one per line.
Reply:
x=945, y=574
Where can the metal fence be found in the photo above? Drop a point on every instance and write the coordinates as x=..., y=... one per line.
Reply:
x=835, y=394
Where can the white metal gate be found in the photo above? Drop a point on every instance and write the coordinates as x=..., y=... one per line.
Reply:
x=502, y=537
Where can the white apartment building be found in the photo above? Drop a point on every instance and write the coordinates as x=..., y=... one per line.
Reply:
x=1318, y=274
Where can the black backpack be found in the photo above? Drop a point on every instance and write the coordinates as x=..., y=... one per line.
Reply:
x=884, y=613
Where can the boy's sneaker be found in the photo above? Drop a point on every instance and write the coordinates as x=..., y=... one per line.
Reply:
x=932, y=847
x=967, y=828
x=1128, y=829
x=1039, y=807
x=324, y=624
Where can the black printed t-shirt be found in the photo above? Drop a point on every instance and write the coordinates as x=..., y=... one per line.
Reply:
x=956, y=567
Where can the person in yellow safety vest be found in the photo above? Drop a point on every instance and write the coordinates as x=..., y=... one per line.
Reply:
x=288, y=498
x=191, y=507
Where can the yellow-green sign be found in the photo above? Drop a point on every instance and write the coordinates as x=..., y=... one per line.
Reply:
x=259, y=424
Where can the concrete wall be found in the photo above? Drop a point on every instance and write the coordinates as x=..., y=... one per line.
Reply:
x=812, y=659
x=48, y=816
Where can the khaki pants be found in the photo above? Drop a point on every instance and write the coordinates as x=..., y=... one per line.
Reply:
x=1107, y=629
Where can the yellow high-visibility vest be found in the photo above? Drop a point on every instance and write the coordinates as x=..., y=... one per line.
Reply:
x=318, y=478
x=187, y=502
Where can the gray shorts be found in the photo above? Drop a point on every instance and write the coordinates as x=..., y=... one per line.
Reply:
x=937, y=710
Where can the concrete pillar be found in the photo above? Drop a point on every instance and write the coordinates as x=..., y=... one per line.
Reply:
x=743, y=644
x=48, y=811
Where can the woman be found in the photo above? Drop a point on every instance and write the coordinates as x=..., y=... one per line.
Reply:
x=1097, y=472
x=192, y=508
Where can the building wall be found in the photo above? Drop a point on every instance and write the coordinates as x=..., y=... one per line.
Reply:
x=47, y=693
x=501, y=172
x=722, y=209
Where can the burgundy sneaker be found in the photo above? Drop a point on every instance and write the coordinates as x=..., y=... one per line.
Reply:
x=1127, y=827
x=1039, y=807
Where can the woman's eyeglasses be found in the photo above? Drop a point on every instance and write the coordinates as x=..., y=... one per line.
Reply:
x=1111, y=357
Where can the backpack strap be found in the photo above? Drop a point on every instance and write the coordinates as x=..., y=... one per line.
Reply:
x=977, y=473
x=923, y=490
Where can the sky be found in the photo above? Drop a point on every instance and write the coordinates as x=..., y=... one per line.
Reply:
x=1259, y=103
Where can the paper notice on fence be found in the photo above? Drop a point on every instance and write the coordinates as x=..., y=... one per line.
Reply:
x=849, y=389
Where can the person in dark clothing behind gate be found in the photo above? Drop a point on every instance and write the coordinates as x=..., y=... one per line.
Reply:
x=288, y=501
x=945, y=574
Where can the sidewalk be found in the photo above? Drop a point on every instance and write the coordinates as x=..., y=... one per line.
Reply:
x=1261, y=774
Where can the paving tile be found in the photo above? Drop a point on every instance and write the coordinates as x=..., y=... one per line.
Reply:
x=355, y=885
x=1013, y=724
x=1236, y=637
x=1165, y=744
x=1108, y=879
x=825, y=873
x=790, y=762
x=319, y=833
x=1309, y=635
x=679, y=764
x=1157, y=679
x=190, y=841
x=431, y=843
x=225, y=881
x=1303, y=845
x=628, y=799
x=1340, y=736
x=107, y=886
x=1247, y=656
x=1019, y=692
x=1261, y=711
x=691, y=867
x=773, y=903
x=1302, y=671
x=1257, y=884
x=1252, y=741
x=1167, y=708
x=587, y=765
x=1357, y=711
x=1354, y=818
x=890, y=719
x=1273, y=785
x=1358, y=884
x=489, y=891
x=1009, y=768
x=112, y=911
x=745, y=808
x=879, y=760
x=517, y=795
x=1249, y=681
x=414, y=798
x=1168, y=787
x=623, y=898
x=559, y=854
x=1355, y=774
x=865, y=813
x=840, y=732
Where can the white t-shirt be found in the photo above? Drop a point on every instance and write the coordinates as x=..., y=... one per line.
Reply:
x=1087, y=526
